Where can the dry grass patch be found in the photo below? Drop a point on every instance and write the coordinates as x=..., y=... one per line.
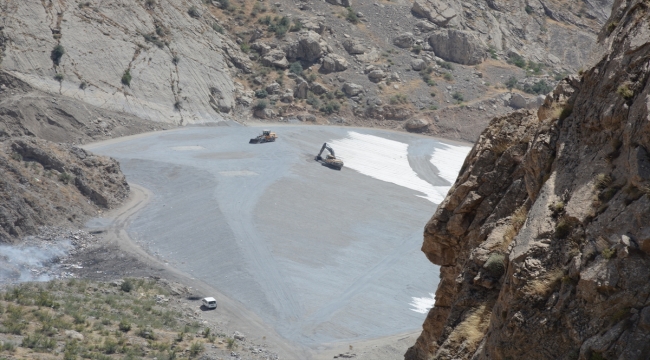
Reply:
x=517, y=220
x=543, y=285
x=472, y=329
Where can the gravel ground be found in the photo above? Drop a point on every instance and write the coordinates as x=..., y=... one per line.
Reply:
x=324, y=256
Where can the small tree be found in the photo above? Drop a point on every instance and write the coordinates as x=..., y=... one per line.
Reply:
x=57, y=54
x=126, y=78
x=296, y=68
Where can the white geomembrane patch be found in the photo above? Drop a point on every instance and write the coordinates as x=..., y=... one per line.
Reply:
x=387, y=160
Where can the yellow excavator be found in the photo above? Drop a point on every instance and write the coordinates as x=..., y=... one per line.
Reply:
x=330, y=160
x=267, y=136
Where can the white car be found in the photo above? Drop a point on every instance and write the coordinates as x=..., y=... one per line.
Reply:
x=209, y=303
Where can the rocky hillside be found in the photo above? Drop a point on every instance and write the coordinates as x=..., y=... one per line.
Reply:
x=543, y=241
x=429, y=66
x=43, y=183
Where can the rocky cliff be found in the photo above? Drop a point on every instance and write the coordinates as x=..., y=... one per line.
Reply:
x=43, y=183
x=544, y=239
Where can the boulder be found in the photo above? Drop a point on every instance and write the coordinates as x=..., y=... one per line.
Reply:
x=425, y=26
x=306, y=117
x=405, y=40
x=308, y=47
x=261, y=48
x=74, y=335
x=273, y=88
x=318, y=88
x=300, y=91
x=334, y=63
x=418, y=64
x=287, y=98
x=437, y=11
x=416, y=125
x=369, y=56
x=344, y=3
x=275, y=58
x=264, y=113
x=459, y=46
x=517, y=101
x=353, y=47
x=351, y=89
x=239, y=336
x=376, y=75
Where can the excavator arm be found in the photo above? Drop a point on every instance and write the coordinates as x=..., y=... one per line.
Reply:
x=325, y=146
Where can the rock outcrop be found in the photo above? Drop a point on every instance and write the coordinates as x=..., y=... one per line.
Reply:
x=522, y=26
x=542, y=240
x=463, y=47
x=45, y=184
x=126, y=56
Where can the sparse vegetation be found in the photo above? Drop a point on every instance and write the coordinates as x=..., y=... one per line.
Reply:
x=602, y=181
x=297, y=26
x=58, y=77
x=447, y=76
x=472, y=328
x=351, y=16
x=611, y=26
x=608, y=253
x=57, y=54
x=529, y=9
x=245, y=47
x=296, y=68
x=445, y=65
x=65, y=178
x=216, y=27
x=330, y=108
x=511, y=82
x=260, y=105
x=126, y=286
x=178, y=105
x=126, y=78
x=493, y=53
x=194, y=12
x=416, y=49
x=539, y=87
x=83, y=85
x=625, y=91
x=557, y=208
x=231, y=343
x=564, y=227
x=261, y=94
x=543, y=285
x=153, y=39
x=176, y=59
x=458, y=97
x=495, y=265
x=399, y=99
x=517, y=60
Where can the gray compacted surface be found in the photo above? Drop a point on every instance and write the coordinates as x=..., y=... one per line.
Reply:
x=321, y=255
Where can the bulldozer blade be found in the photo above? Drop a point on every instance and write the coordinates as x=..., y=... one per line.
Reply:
x=254, y=141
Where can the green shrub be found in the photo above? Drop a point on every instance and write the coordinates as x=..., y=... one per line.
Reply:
x=245, y=47
x=194, y=12
x=297, y=26
x=126, y=78
x=563, y=228
x=416, y=49
x=557, y=207
x=458, y=96
x=196, y=349
x=176, y=59
x=511, y=82
x=178, y=105
x=331, y=107
x=495, y=265
x=124, y=326
x=126, y=286
x=351, y=16
x=517, y=60
x=529, y=9
x=260, y=105
x=58, y=77
x=7, y=346
x=611, y=26
x=603, y=181
x=16, y=156
x=493, y=53
x=231, y=343
x=447, y=76
x=445, y=65
x=64, y=177
x=540, y=87
x=565, y=113
x=261, y=94
x=153, y=39
x=57, y=54
x=296, y=68
x=83, y=85
x=398, y=99
x=313, y=101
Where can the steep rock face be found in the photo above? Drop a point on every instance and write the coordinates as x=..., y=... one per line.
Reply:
x=543, y=239
x=43, y=183
x=172, y=58
x=554, y=32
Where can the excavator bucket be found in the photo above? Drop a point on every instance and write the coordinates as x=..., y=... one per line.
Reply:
x=254, y=141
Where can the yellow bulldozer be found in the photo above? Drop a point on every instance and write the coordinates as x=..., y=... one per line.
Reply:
x=267, y=136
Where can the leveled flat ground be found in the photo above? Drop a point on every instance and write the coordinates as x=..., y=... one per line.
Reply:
x=323, y=256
